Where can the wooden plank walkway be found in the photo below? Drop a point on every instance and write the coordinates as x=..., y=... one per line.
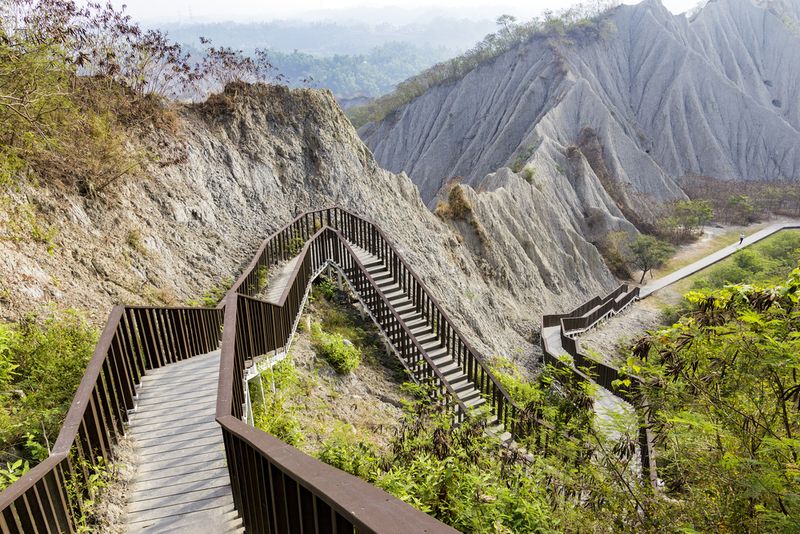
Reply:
x=424, y=332
x=279, y=280
x=181, y=483
x=711, y=259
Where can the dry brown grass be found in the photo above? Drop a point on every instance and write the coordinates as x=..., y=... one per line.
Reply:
x=458, y=207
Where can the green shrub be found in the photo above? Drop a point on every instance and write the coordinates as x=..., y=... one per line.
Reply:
x=723, y=389
x=294, y=245
x=343, y=450
x=42, y=360
x=273, y=415
x=528, y=173
x=327, y=288
x=340, y=353
x=510, y=377
x=262, y=279
x=280, y=421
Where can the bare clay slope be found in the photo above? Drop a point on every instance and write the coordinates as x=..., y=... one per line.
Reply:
x=652, y=99
x=238, y=168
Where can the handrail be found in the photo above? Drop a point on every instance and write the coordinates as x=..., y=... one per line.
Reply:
x=294, y=276
x=404, y=326
x=263, y=249
x=502, y=418
x=479, y=374
x=140, y=338
x=255, y=458
x=134, y=340
x=601, y=373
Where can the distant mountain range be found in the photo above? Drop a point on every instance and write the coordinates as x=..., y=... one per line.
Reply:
x=352, y=59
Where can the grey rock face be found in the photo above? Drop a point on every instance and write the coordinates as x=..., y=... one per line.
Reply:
x=665, y=97
x=249, y=161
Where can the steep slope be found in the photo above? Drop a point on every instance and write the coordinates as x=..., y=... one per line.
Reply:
x=648, y=98
x=243, y=164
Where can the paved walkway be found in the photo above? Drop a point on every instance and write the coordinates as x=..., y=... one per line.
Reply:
x=711, y=259
x=181, y=483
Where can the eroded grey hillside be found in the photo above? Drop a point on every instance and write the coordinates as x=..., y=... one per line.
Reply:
x=243, y=164
x=653, y=100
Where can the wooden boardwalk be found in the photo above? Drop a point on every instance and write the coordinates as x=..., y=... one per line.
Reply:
x=181, y=482
x=279, y=280
x=425, y=334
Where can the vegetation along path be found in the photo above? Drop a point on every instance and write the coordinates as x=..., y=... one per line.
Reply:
x=613, y=413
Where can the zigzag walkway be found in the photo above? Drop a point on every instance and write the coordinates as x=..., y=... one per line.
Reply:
x=181, y=482
x=420, y=328
x=157, y=377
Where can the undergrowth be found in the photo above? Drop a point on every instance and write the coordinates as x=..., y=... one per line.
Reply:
x=213, y=295
x=42, y=360
x=335, y=349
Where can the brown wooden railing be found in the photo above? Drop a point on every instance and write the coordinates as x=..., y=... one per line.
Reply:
x=254, y=328
x=370, y=237
x=584, y=368
x=135, y=340
x=277, y=488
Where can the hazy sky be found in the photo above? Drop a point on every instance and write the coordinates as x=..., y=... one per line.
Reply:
x=373, y=10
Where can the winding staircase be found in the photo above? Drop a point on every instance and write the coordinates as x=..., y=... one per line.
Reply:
x=174, y=381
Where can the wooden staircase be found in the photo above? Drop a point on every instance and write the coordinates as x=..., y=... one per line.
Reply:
x=425, y=334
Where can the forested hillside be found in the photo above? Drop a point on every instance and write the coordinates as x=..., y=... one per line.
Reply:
x=352, y=59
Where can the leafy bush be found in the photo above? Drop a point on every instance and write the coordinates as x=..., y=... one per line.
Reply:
x=685, y=220
x=528, y=174
x=262, y=280
x=510, y=377
x=294, y=245
x=42, y=360
x=343, y=450
x=340, y=353
x=85, y=490
x=273, y=415
x=12, y=472
x=464, y=478
x=327, y=288
x=723, y=387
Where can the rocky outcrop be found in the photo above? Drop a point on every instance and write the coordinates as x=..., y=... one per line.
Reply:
x=244, y=163
x=647, y=98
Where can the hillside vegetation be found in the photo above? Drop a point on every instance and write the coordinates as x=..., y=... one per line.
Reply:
x=371, y=74
x=42, y=360
x=724, y=388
